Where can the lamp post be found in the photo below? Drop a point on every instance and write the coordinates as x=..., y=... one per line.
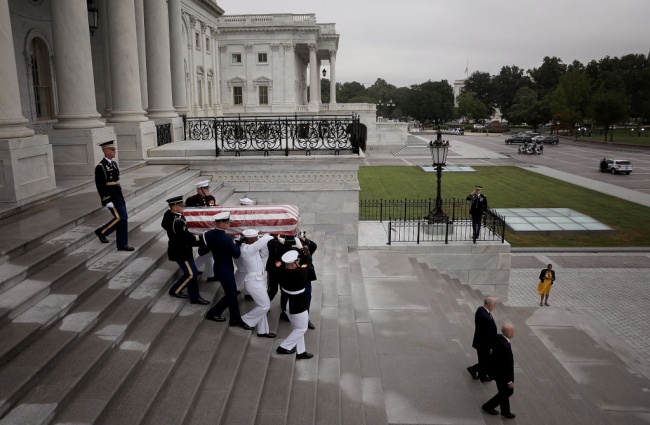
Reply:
x=439, y=150
x=390, y=104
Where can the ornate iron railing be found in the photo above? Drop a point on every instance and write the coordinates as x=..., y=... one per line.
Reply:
x=164, y=134
x=277, y=134
x=407, y=220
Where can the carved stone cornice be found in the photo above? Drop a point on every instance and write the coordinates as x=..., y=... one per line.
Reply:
x=275, y=47
x=223, y=47
x=288, y=177
x=313, y=47
x=288, y=46
x=248, y=47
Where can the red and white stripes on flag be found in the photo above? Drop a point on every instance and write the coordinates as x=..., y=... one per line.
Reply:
x=273, y=219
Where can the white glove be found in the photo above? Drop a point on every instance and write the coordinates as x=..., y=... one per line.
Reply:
x=298, y=243
x=281, y=239
x=110, y=205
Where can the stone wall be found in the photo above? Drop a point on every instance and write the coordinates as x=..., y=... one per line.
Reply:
x=325, y=189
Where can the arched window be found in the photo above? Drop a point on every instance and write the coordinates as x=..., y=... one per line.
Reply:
x=42, y=80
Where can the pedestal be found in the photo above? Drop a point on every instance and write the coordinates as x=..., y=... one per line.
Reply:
x=134, y=139
x=437, y=229
x=77, y=151
x=26, y=168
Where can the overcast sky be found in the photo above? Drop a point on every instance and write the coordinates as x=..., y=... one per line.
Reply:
x=411, y=41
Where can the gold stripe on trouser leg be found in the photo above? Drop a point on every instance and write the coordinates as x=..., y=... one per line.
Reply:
x=182, y=285
x=114, y=222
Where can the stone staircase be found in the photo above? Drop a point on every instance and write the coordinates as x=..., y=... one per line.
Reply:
x=89, y=335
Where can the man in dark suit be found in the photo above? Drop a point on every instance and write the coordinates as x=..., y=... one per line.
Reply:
x=224, y=249
x=485, y=331
x=107, y=180
x=502, y=366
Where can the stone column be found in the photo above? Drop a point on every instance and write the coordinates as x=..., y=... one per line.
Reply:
x=108, y=96
x=136, y=134
x=332, y=77
x=177, y=49
x=142, y=51
x=159, y=75
x=79, y=130
x=26, y=163
x=291, y=92
x=74, y=66
x=313, y=79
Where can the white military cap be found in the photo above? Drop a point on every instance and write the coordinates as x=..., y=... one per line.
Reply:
x=246, y=201
x=202, y=183
x=290, y=256
x=251, y=233
x=222, y=216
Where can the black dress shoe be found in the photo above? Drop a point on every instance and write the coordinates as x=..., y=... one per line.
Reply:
x=126, y=248
x=101, y=237
x=241, y=324
x=215, y=318
x=490, y=411
x=267, y=335
x=509, y=415
x=200, y=301
x=179, y=295
x=310, y=325
x=281, y=350
x=304, y=355
x=485, y=379
x=472, y=372
x=283, y=316
x=211, y=279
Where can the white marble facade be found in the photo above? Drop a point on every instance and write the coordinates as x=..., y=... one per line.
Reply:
x=148, y=63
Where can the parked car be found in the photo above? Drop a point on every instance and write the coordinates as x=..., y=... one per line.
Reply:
x=518, y=138
x=538, y=139
x=479, y=127
x=618, y=166
x=550, y=140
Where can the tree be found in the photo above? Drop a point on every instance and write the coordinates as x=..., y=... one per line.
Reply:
x=470, y=107
x=548, y=75
x=573, y=94
x=506, y=85
x=430, y=101
x=609, y=107
x=325, y=90
x=527, y=108
x=481, y=84
x=381, y=91
x=346, y=92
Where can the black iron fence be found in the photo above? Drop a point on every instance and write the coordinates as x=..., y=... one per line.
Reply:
x=164, y=134
x=278, y=134
x=407, y=222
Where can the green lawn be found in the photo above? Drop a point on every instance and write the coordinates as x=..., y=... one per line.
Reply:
x=513, y=187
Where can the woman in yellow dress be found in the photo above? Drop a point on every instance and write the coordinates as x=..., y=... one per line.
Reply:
x=546, y=279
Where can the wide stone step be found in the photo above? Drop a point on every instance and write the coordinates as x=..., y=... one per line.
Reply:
x=101, y=387
x=75, y=235
x=43, y=348
x=131, y=404
x=538, y=373
x=24, y=231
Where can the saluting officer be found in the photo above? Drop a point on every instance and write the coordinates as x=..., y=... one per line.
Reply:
x=202, y=198
x=476, y=210
x=179, y=249
x=107, y=180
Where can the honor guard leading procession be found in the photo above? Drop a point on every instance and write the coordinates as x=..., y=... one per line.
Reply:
x=107, y=180
x=202, y=198
x=179, y=249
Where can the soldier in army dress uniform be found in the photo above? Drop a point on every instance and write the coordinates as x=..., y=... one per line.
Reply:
x=107, y=180
x=179, y=249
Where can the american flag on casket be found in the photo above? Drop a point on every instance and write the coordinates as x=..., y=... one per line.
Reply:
x=273, y=219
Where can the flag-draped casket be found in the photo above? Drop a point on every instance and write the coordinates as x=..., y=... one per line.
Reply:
x=273, y=219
